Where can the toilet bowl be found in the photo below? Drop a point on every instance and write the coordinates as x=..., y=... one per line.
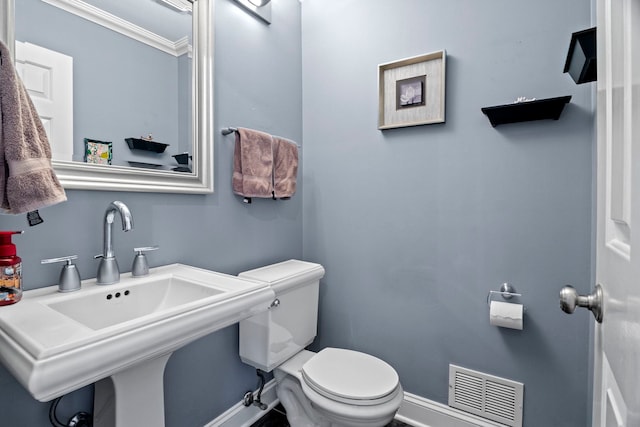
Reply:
x=338, y=387
x=334, y=387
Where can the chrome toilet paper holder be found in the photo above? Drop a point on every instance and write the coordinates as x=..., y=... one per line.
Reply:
x=506, y=290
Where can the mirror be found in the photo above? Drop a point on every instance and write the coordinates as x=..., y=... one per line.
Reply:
x=192, y=133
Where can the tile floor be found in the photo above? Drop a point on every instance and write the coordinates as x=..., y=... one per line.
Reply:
x=277, y=418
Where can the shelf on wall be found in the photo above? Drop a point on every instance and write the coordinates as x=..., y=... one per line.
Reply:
x=539, y=109
x=581, y=63
x=146, y=145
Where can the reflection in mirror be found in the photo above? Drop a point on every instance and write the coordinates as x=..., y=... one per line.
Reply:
x=132, y=80
x=125, y=79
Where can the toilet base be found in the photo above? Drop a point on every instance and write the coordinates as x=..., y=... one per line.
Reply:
x=300, y=412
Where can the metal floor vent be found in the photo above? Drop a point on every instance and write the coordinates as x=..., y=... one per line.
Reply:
x=481, y=394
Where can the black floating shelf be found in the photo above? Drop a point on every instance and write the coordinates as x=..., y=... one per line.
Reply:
x=540, y=109
x=581, y=63
x=143, y=144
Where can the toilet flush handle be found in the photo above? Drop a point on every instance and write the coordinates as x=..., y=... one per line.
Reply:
x=275, y=303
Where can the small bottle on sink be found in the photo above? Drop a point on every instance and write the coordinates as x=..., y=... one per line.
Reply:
x=10, y=270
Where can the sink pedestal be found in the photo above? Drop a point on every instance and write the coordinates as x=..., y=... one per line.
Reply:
x=132, y=397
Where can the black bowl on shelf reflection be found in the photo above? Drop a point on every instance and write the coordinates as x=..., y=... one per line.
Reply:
x=146, y=145
x=182, y=159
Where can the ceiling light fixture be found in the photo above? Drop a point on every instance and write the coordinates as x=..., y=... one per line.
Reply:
x=259, y=8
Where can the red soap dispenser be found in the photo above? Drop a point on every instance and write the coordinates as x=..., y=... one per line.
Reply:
x=10, y=270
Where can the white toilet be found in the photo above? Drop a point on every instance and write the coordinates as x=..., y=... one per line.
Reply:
x=335, y=387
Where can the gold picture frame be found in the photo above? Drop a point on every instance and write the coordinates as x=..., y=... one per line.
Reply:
x=412, y=91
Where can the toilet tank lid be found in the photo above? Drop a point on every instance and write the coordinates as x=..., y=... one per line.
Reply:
x=286, y=274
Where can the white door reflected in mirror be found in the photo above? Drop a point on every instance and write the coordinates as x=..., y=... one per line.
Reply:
x=45, y=72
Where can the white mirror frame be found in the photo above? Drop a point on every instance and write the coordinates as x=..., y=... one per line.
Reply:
x=83, y=176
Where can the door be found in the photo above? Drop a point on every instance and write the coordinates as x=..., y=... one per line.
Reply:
x=617, y=339
x=48, y=77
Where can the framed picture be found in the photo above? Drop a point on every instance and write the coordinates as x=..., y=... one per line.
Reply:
x=412, y=91
x=98, y=152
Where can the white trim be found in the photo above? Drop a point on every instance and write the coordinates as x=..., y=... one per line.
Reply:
x=415, y=411
x=420, y=412
x=179, y=5
x=241, y=416
x=119, y=25
x=7, y=26
x=182, y=46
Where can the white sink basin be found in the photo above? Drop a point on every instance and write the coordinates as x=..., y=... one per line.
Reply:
x=58, y=342
x=138, y=299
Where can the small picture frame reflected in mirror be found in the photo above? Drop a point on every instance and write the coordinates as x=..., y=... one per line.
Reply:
x=98, y=152
x=410, y=92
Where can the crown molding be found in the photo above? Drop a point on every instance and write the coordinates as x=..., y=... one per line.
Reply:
x=122, y=26
x=182, y=46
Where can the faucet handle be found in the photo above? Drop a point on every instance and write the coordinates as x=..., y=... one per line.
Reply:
x=69, y=276
x=140, y=266
x=146, y=249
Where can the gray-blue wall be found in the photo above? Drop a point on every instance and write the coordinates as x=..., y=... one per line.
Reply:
x=415, y=225
x=257, y=83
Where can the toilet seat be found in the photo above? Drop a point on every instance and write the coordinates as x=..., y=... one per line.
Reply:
x=351, y=377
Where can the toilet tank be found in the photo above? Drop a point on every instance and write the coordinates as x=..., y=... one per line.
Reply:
x=290, y=324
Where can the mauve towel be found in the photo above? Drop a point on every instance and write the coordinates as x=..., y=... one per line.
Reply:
x=253, y=164
x=285, y=167
x=27, y=179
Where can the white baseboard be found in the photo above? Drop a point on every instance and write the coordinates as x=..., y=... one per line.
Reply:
x=420, y=412
x=242, y=416
x=415, y=411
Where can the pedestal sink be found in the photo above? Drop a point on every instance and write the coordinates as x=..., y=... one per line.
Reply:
x=120, y=336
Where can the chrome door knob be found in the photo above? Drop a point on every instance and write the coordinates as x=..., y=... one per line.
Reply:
x=569, y=300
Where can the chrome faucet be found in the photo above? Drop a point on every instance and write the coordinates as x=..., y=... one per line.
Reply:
x=108, y=271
